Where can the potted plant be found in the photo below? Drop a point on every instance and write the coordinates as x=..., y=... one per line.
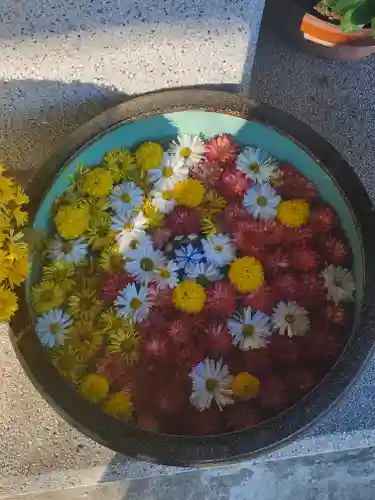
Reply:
x=338, y=29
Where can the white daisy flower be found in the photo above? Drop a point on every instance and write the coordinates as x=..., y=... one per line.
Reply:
x=187, y=254
x=52, y=327
x=129, y=229
x=218, y=249
x=256, y=164
x=144, y=261
x=72, y=251
x=339, y=283
x=203, y=270
x=262, y=201
x=171, y=171
x=250, y=330
x=166, y=275
x=163, y=200
x=133, y=302
x=291, y=319
x=211, y=380
x=189, y=148
x=125, y=198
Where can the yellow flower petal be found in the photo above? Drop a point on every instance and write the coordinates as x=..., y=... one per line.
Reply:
x=246, y=274
x=293, y=213
x=8, y=304
x=94, y=388
x=189, y=192
x=189, y=296
x=245, y=386
x=149, y=155
x=119, y=405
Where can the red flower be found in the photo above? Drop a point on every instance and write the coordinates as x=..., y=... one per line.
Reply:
x=248, y=245
x=180, y=330
x=274, y=232
x=183, y=220
x=233, y=184
x=113, y=283
x=161, y=236
x=221, y=299
x=208, y=172
x=312, y=289
x=222, y=149
x=218, y=333
x=305, y=259
x=272, y=395
x=292, y=184
x=262, y=299
x=114, y=368
x=277, y=261
x=233, y=213
x=322, y=219
x=298, y=236
x=286, y=287
x=239, y=417
x=335, y=250
x=160, y=299
x=283, y=350
x=155, y=347
x=336, y=314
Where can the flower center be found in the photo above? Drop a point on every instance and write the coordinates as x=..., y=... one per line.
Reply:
x=134, y=244
x=67, y=246
x=167, y=172
x=128, y=227
x=167, y=195
x=254, y=167
x=54, y=328
x=135, y=303
x=218, y=248
x=290, y=318
x=185, y=152
x=262, y=201
x=248, y=331
x=46, y=296
x=337, y=282
x=115, y=261
x=211, y=384
x=126, y=198
x=165, y=274
x=147, y=264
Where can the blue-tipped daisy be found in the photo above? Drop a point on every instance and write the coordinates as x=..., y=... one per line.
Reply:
x=72, y=251
x=256, y=164
x=250, y=330
x=134, y=303
x=262, y=201
x=218, y=250
x=125, y=198
x=52, y=327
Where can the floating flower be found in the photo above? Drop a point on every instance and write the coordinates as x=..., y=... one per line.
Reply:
x=17, y=270
x=189, y=296
x=128, y=229
x=143, y=262
x=120, y=163
x=293, y=213
x=94, y=388
x=208, y=227
x=97, y=182
x=115, y=281
x=187, y=255
x=125, y=198
x=166, y=275
x=161, y=236
x=72, y=221
x=61, y=273
x=6, y=189
x=217, y=331
x=262, y=299
x=211, y=381
x=163, y=200
x=256, y=164
x=292, y=184
x=221, y=299
x=85, y=336
x=133, y=302
x=203, y=272
x=246, y=274
x=286, y=286
x=126, y=342
x=69, y=362
x=8, y=303
x=245, y=386
x=262, y=201
x=111, y=259
x=335, y=250
x=84, y=301
x=305, y=259
x=208, y=173
x=233, y=184
x=183, y=220
x=212, y=203
x=277, y=261
x=221, y=149
x=171, y=171
x=250, y=330
x=149, y=155
x=119, y=405
x=339, y=283
x=322, y=219
x=291, y=319
x=52, y=327
x=188, y=148
x=155, y=347
x=71, y=251
x=99, y=234
x=14, y=207
x=218, y=250
x=47, y=295
x=189, y=193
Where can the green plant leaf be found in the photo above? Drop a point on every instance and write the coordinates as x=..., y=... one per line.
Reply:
x=348, y=22
x=341, y=6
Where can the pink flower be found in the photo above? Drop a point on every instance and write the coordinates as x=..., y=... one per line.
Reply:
x=292, y=184
x=262, y=299
x=273, y=232
x=322, y=219
x=305, y=259
x=312, y=289
x=183, y=220
x=299, y=236
x=221, y=299
x=335, y=250
x=155, y=347
x=336, y=314
x=277, y=261
x=286, y=287
x=114, y=282
x=179, y=330
x=222, y=149
x=208, y=172
x=218, y=333
x=232, y=214
x=233, y=184
x=113, y=367
x=161, y=236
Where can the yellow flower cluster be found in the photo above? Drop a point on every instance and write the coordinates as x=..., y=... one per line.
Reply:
x=246, y=274
x=189, y=296
x=72, y=220
x=13, y=249
x=97, y=182
x=293, y=213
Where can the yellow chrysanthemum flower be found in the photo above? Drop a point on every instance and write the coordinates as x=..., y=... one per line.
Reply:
x=8, y=304
x=212, y=203
x=94, y=388
x=97, y=208
x=111, y=323
x=111, y=259
x=4, y=222
x=14, y=207
x=149, y=155
x=84, y=302
x=245, y=386
x=69, y=362
x=120, y=163
x=4, y=265
x=97, y=182
x=189, y=192
x=246, y=274
x=126, y=342
x=18, y=271
x=208, y=227
x=86, y=275
x=61, y=273
x=99, y=234
x=119, y=405
x=293, y=213
x=72, y=221
x=7, y=190
x=46, y=296
x=189, y=296
x=153, y=216
x=85, y=337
